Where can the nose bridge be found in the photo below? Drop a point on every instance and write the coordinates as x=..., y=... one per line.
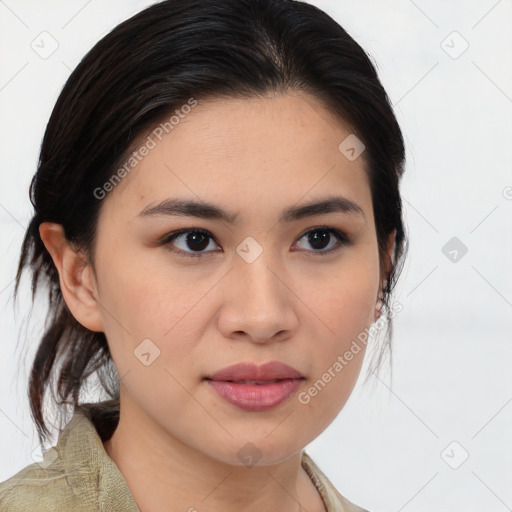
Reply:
x=257, y=297
x=258, y=278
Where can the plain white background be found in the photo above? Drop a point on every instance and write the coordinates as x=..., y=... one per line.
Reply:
x=436, y=437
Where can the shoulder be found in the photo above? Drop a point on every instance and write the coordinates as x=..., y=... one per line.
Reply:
x=62, y=480
x=37, y=487
x=76, y=474
x=333, y=500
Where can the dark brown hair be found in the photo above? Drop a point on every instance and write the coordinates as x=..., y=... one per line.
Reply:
x=139, y=73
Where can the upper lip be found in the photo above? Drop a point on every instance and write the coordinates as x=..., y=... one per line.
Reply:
x=274, y=370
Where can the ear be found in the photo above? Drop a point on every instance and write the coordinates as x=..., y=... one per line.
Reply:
x=390, y=249
x=76, y=277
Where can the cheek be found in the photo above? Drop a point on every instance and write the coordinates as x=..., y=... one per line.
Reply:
x=347, y=320
x=345, y=298
x=346, y=314
x=153, y=309
x=145, y=298
x=145, y=312
x=328, y=391
x=345, y=308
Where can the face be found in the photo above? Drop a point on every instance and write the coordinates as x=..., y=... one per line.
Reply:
x=253, y=288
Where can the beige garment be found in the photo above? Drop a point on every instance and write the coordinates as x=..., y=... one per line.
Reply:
x=77, y=475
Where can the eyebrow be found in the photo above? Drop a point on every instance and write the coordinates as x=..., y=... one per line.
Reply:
x=202, y=210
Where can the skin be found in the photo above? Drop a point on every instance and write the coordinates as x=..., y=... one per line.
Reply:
x=177, y=440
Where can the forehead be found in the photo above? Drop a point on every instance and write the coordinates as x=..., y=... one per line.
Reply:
x=257, y=152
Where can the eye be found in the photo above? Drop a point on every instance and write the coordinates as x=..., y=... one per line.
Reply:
x=194, y=239
x=321, y=237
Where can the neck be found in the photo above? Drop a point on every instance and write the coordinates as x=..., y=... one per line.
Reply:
x=160, y=470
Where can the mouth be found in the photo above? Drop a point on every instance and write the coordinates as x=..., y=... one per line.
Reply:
x=255, y=395
x=251, y=373
x=255, y=388
x=253, y=382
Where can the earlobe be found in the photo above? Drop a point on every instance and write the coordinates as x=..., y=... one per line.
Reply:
x=76, y=277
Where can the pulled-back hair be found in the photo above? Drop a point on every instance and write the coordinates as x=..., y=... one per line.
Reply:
x=140, y=73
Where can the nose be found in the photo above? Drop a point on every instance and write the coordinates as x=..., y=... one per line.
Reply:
x=258, y=305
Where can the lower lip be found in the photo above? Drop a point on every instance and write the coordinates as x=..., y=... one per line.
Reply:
x=255, y=397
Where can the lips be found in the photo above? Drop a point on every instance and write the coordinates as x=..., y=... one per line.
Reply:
x=250, y=373
x=256, y=388
x=255, y=397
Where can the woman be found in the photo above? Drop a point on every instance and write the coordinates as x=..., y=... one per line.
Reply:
x=218, y=219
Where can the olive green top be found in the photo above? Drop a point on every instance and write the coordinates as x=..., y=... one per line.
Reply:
x=78, y=475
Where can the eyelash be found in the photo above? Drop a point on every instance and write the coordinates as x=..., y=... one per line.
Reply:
x=170, y=237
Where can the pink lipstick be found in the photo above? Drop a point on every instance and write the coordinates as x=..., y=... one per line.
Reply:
x=256, y=388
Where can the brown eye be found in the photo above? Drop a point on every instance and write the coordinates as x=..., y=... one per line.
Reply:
x=324, y=237
x=194, y=242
